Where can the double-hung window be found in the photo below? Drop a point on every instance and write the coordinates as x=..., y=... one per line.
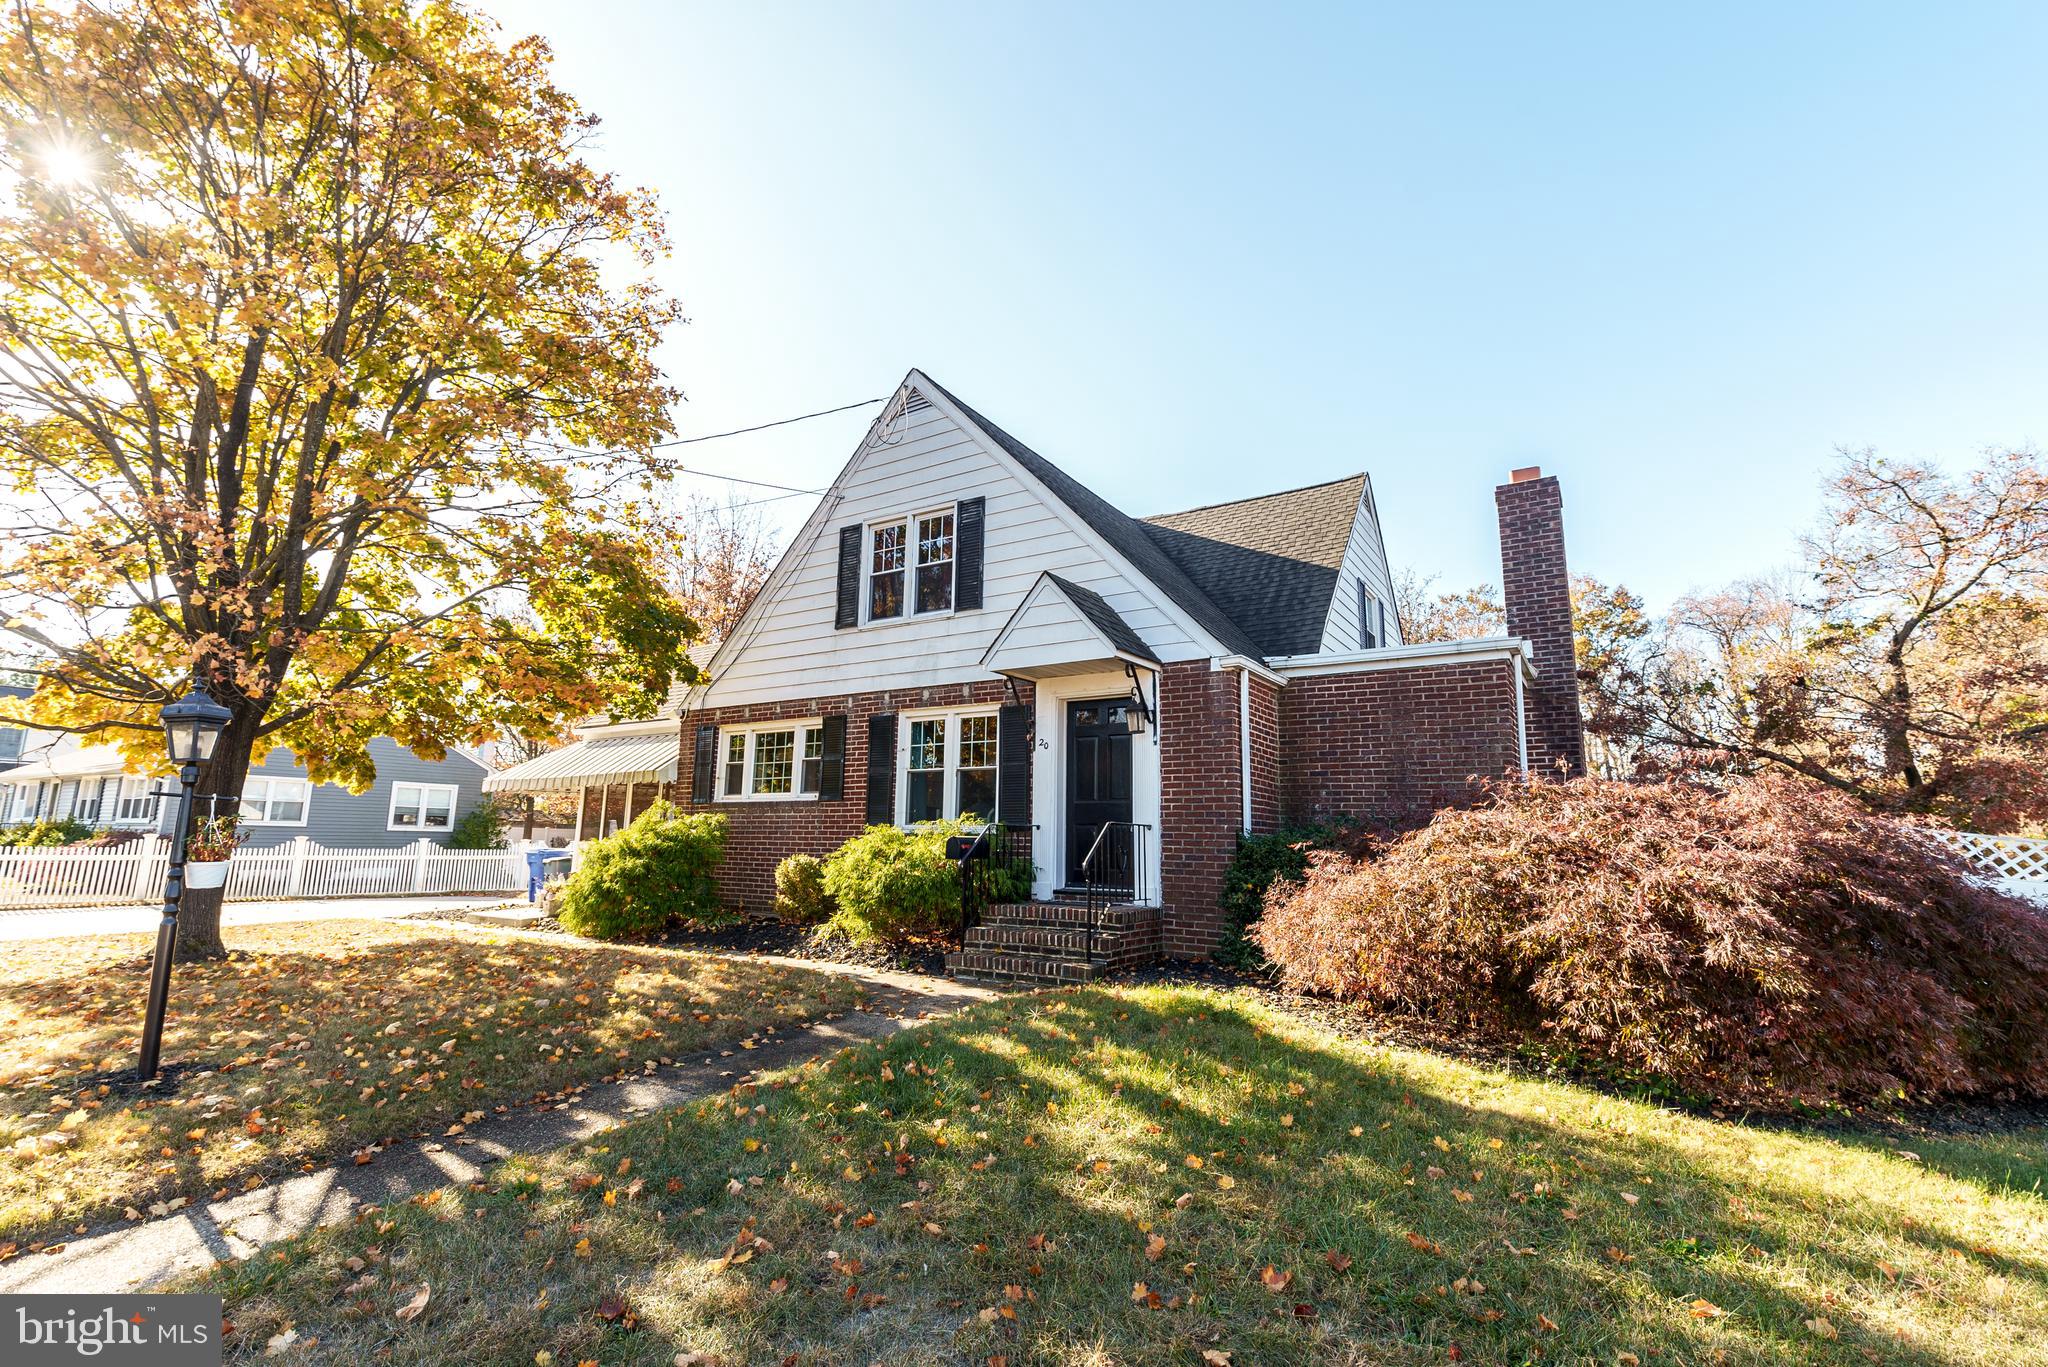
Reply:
x=949, y=766
x=784, y=759
x=422, y=806
x=275, y=802
x=1372, y=620
x=137, y=805
x=910, y=565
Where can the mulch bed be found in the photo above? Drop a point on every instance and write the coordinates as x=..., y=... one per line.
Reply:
x=794, y=941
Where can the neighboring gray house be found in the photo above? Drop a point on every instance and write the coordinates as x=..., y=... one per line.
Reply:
x=410, y=798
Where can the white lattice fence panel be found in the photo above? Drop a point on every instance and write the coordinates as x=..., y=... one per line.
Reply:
x=2000, y=856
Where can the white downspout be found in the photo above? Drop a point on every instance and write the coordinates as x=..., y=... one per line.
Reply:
x=1244, y=741
x=1521, y=717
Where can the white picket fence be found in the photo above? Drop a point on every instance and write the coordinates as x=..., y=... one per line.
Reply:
x=135, y=872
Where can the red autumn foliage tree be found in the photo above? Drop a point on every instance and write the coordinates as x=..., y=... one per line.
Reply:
x=1771, y=939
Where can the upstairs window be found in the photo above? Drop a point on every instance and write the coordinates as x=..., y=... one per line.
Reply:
x=910, y=565
x=1370, y=619
x=10, y=743
x=935, y=562
x=885, y=572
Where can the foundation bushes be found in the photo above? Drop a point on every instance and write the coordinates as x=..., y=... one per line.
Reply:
x=800, y=894
x=888, y=884
x=659, y=870
x=1768, y=941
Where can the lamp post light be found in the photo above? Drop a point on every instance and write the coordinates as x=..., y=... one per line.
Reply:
x=191, y=727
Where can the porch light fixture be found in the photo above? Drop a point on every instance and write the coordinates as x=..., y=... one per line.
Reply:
x=192, y=726
x=1139, y=714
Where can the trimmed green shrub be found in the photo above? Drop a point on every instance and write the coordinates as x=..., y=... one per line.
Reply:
x=482, y=827
x=889, y=882
x=1261, y=863
x=1767, y=940
x=630, y=885
x=46, y=832
x=800, y=889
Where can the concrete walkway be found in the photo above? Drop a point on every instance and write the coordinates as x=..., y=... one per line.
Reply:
x=41, y=923
x=136, y=1256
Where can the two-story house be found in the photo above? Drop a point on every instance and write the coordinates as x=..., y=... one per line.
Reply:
x=964, y=627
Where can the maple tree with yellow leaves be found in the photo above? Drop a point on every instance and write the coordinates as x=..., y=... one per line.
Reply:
x=327, y=382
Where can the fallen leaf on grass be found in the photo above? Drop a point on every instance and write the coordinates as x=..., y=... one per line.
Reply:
x=1274, y=1280
x=1155, y=1246
x=281, y=1340
x=1339, y=1262
x=1704, y=1309
x=1819, y=1325
x=410, y=1311
x=1215, y=1357
x=1546, y=1324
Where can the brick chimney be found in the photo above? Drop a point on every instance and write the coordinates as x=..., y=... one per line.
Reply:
x=1538, y=593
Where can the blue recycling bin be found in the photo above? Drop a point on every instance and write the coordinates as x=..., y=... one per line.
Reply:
x=537, y=869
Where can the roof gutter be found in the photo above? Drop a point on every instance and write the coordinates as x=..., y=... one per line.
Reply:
x=1515, y=648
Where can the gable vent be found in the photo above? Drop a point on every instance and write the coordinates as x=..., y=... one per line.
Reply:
x=914, y=402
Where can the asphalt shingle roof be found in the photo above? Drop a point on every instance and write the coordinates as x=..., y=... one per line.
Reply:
x=1272, y=562
x=1126, y=534
x=1107, y=619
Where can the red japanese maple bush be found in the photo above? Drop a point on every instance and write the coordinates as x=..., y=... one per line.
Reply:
x=1770, y=940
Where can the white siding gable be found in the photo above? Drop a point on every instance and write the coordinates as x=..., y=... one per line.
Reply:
x=1365, y=557
x=1048, y=636
x=786, y=647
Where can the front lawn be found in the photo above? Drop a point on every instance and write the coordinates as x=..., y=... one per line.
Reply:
x=1179, y=1176
x=316, y=1041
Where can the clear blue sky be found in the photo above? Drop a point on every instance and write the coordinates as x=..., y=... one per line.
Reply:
x=1674, y=255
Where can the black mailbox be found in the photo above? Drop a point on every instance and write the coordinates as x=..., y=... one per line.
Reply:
x=957, y=846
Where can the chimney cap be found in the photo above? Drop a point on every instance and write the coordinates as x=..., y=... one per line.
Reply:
x=1525, y=474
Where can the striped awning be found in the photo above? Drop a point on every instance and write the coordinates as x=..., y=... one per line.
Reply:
x=622, y=759
x=91, y=761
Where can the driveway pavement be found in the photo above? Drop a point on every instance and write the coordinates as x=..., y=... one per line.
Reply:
x=42, y=923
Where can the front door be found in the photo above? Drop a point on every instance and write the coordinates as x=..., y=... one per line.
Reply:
x=1098, y=787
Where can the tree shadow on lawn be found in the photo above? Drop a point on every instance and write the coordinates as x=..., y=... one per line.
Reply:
x=287, y=1057
x=988, y=1186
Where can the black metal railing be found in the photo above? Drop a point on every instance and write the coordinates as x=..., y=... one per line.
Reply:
x=1113, y=870
x=995, y=867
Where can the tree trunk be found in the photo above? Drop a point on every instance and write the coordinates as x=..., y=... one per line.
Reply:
x=1896, y=723
x=219, y=790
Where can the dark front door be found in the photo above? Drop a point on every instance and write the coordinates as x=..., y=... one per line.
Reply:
x=1098, y=787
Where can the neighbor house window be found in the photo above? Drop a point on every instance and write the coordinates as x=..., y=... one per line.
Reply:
x=274, y=802
x=10, y=743
x=88, y=807
x=138, y=805
x=910, y=565
x=422, y=806
x=949, y=767
x=784, y=759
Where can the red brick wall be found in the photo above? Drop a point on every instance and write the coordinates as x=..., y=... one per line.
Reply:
x=1201, y=802
x=1536, y=587
x=761, y=834
x=1394, y=744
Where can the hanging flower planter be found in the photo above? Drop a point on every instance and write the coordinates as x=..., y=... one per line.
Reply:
x=210, y=873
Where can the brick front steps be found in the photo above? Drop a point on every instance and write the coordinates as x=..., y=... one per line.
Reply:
x=1030, y=944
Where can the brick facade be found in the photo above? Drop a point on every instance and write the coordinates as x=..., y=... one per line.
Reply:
x=1394, y=744
x=1536, y=587
x=761, y=834
x=1201, y=802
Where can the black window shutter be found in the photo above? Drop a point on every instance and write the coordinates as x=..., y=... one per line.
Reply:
x=704, y=776
x=832, y=769
x=882, y=769
x=1013, y=765
x=849, y=579
x=967, y=525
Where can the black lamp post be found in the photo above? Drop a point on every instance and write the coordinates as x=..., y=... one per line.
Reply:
x=191, y=726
